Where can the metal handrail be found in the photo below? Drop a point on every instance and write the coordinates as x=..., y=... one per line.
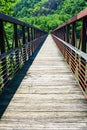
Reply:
x=13, y=59
x=67, y=41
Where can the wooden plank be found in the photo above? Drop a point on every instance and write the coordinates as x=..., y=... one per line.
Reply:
x=48, y=96
x=49, y=126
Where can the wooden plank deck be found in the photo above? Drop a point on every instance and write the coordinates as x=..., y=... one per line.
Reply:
x=48, y=97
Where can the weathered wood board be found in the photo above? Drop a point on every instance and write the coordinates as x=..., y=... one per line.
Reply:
x=48, y=97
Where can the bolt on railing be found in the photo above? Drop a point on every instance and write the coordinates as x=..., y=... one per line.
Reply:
x=18, y=41
x=71, y=38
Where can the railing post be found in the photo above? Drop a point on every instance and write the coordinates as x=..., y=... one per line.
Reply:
x=33, y=39
x=16, y=43
x=34, y=33
x=31, y=33
x=30, y=40
x=24, y=41
x=2, y=47
x=28, y=50
x=37, y=33
x=73, y=41
x=23, y=30
x=67, y=33
x=2, y=42
x=28, y=31
x=82, y=61
x=84, y=38
x=15, y=35
x=63, y=33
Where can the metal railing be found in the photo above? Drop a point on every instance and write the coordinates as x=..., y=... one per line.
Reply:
x=71, y=38
x=16, y=50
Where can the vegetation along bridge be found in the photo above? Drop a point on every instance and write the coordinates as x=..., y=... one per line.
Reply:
x=43, y=78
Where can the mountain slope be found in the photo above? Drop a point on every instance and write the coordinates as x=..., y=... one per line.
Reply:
x=47, y=14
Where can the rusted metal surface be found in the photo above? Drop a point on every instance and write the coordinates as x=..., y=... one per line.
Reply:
x=74, y=32
x=76, y=60
x=78, y=17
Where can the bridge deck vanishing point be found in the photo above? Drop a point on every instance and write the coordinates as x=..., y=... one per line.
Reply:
x=48, y=97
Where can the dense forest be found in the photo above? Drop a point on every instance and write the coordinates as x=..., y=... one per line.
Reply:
x=45, y=14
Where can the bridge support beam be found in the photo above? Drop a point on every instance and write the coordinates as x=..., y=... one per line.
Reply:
x=2, y=42
x=31, y=33
x=28, y=31
x=2, y=47
x=84, y=38
x=67, y=33
x=73, y=34
x=24, y=41
x=16, y=44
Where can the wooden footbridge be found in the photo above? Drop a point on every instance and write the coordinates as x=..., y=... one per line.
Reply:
x=43, y=79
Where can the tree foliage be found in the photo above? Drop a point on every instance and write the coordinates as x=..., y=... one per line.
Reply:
x=6, y=6
x=46, y=14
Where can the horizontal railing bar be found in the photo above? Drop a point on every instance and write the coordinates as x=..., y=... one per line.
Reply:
x=18, y=48
x=11, y=20
x=7, y=18
x=77, y=51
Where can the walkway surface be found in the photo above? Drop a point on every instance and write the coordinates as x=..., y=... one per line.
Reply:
x=48, y=97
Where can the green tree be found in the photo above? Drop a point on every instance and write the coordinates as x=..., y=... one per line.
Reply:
x=6, y=6
x=45, y=14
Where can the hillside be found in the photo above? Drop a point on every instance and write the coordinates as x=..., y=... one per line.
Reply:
x=41, y=13
x=45, y=14
x=36, y=7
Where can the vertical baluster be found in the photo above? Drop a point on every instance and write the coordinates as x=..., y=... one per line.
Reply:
x=24, y=41
x=34, y=33
x=67, y=33
x=84, y=38
x=73, y=41
x=28, y=31
x=2, y=47
x=30, y=40
x=16, y=45
x=64, y=33
x=31, y=33
x=28, y=50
